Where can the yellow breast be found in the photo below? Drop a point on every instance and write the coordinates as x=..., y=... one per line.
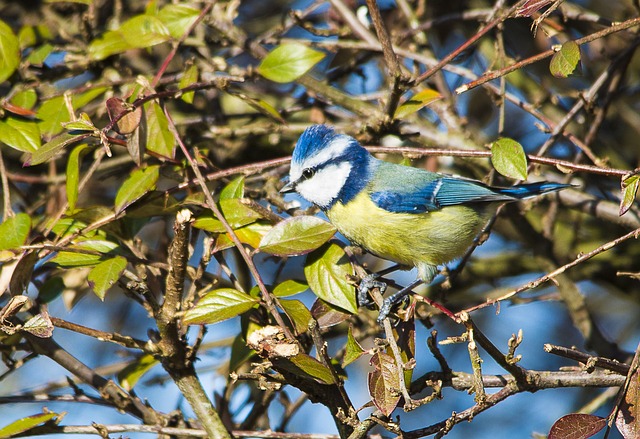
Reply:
x=410, y=239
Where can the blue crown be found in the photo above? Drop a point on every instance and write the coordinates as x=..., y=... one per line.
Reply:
x=311, y=141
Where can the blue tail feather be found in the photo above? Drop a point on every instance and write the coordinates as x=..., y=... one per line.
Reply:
x=531, y=189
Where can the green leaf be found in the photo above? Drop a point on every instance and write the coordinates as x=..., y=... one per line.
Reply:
x=209, y=224
x=353, y=350
x=565, y=61
x=326, y=271
x=109, y=43
x=298, y=314
x=105, y=274
x=178, y=18
x=139, y=183
x=73, y=175
x=629, y=191
x=130, y=375
x=416, y=102
x=233, y=189
x=15, y=231
x=258, y=104
x=509, y=159
x=53, y=113
x=289, y=287
x=19, y=133
x=25, y=98
x=219, y=305
x=288, y=62
x=9, y=52
x=311, y=367
x=51, y=148
x=26, y=424
x=144, y=31
x=160, y=140
x=79, y=125
x=189, y=77
x=384, y=383
x=297, y=236
x=235, y=212
x=40, y=54
x=98, y=247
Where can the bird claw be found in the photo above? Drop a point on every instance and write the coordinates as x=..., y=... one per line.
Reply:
x=399, y=298
x=367, y=283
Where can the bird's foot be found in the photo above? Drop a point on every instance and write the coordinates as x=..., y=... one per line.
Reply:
x=366, y=284
x=399, y=297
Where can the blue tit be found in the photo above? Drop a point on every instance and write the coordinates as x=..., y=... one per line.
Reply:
x=407, y=215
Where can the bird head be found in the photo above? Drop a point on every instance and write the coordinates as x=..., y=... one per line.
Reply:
x=327, y=167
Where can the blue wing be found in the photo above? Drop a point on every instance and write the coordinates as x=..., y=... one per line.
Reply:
x=436, y=194
x=402, y=189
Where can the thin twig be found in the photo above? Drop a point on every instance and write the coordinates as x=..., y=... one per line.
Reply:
x=549, y=276
x=515, y=66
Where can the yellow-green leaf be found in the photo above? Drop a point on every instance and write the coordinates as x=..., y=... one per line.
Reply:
x=564, y=62
x=311, y=367
x=189, y=77
x=509, y=159
x=178, y=18
x=95, y=248
x=233, y=189
x=51, y=148
x=417, y=102
x=289, y=287
x=130, y=375
x=109, y=43
x=20, y=133
x=288, y=62
x=139, y=183
x=326, y=271
x=9, y=51
x=629, y=191
x=219, y=305
x=298, y=314
x=73, y=175
x=25, y=98
x=144, y=31
x=26, y=424
x=353, y=350
x=15, y=231
x=105, y=274
x=160, y=140
x=297, y=236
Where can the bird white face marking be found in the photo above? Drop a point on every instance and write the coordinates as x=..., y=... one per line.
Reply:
x=335, y=148
x=325, y=185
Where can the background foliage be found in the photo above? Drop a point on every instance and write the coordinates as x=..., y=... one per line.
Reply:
x=154, y=280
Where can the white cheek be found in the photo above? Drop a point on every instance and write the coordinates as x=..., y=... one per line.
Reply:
x=325, y=185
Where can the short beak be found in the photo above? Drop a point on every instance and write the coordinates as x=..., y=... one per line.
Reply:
x=289, y=187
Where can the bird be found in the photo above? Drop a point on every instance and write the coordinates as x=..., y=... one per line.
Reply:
x=410, y=216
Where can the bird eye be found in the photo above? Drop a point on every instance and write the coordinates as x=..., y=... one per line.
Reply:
x=308, y=173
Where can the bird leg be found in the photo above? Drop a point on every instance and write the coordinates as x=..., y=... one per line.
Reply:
x=396, y=298
x=368, y=282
